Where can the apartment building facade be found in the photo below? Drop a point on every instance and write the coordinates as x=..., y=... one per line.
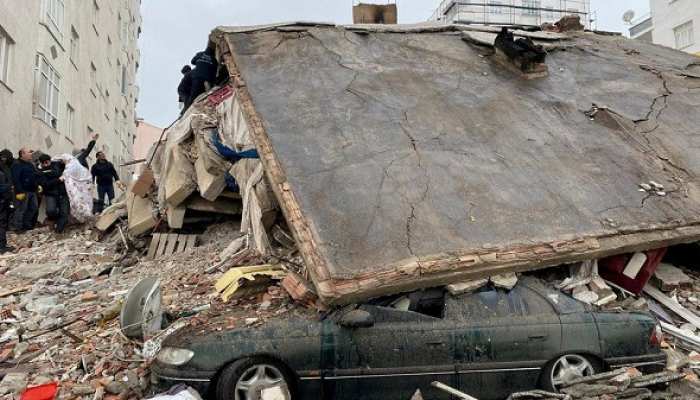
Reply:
x=511, y=12
x=671, y=23
x=68, y=70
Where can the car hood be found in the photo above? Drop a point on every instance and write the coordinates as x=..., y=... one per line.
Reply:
x=214, y=345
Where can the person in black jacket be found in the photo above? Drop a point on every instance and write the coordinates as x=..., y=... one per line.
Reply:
x=205, y=69
x=26, y=179
x=83, y=154
x=185, y=86
x=6, y=199
x=55, y=194
x=104, y=174
x=6, y=161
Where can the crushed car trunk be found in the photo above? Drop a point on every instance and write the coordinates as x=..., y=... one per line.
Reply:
x=406, y=156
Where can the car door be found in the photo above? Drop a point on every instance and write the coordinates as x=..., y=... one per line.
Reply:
x=502, y=340
x=404, y=351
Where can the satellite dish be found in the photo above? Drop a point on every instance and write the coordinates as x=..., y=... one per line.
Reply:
x=628, y=16
x=141, y=315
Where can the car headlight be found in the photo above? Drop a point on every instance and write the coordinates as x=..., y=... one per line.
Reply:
x=174, y=356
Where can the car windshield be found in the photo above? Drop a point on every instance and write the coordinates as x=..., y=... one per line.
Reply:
x=563, y=303
x=430, y=302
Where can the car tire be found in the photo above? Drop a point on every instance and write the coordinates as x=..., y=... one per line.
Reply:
x=246, y=378
x=569, y=366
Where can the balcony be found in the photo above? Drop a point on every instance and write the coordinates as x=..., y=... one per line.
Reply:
x=641, y=26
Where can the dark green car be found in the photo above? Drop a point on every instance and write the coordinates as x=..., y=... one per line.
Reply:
x=488, y=344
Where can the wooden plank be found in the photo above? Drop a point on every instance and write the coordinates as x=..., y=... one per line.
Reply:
x=154, y=246
x=15, y=291
x=172, y=243
x=161, y=245
x=182, y=243
x=666, y=301
x=191, y=242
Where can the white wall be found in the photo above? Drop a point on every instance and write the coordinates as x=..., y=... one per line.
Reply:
x=491, y=13
x=667, y=15
x=32, y=34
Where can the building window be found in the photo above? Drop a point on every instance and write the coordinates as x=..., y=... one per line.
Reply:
x=123, y=30
x=685, y=36
x=47, y=92
x=70, y=116
x=54, y=14
x=6, y=45
x=531, y=7
x=74, y=46
x=496, y=7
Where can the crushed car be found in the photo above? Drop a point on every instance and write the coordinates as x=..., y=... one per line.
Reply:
x=488, y=343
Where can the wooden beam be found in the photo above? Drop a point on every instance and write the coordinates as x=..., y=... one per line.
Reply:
x=161, y=245
x=191, y=242
x=172, y=243
x=153, y=247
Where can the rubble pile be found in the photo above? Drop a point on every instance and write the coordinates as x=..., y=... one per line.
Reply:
x=632, y=384
x=61, y=299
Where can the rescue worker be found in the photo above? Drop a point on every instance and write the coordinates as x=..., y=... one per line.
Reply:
x=204, y=73
x=55, y=194
x=6, y=200
x=185, y=86
x=83, y=154
x=104, y=174
x=26, y=179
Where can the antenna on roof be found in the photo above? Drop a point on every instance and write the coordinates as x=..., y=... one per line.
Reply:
x=628, y=16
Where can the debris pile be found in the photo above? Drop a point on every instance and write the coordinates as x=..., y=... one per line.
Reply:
x=62, y=302
x=630, y=384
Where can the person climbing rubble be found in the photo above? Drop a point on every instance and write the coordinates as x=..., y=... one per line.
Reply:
x=104, y=175
x=26, y=179
x=203, y=75
x=233, y=157
x=185, y=86
x=55, y=194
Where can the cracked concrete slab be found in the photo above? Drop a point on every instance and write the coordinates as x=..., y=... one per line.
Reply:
x=410, y=159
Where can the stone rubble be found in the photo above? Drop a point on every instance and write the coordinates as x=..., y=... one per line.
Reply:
x=64, y=326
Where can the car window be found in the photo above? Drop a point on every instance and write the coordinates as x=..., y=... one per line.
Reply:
x=486, y=304
x=563, y=303
x=534, y=303
x=426, y=303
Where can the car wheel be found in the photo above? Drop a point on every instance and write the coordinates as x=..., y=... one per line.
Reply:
x=254, y=379
x=568, y=368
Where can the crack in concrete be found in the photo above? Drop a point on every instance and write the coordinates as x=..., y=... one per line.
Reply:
x=410, y=220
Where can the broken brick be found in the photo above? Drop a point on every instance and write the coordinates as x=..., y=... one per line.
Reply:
x=299, y=288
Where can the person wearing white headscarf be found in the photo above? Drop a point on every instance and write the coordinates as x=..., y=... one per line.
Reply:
x=78, y=181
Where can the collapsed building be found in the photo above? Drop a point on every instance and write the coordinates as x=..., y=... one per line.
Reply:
x=409, y=156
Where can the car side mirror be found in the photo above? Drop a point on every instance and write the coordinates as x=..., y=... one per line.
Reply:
x=356, y=319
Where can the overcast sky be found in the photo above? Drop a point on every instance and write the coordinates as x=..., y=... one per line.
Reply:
x=173, y=30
